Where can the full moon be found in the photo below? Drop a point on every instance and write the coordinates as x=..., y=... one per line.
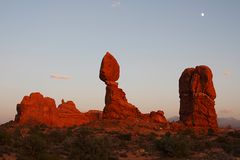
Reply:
x=202, y=14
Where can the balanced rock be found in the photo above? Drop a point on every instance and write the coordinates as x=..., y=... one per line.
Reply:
x=116, y=104
x=110, y=69
x=197, y=96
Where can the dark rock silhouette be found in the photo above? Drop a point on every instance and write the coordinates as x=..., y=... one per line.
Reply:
x=197, y=96
x=116, y=104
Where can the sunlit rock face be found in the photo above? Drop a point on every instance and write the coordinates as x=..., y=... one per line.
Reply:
x=69, y=115
x=158, y=116
x=197, y=95
x=37, y=109
x=110, y=69
x=116, y=104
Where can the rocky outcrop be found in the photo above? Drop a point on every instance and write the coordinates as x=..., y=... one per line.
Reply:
x=158, y=117
x=94, y=115
x=154, y=117
x=69, y=115
x=197, y=95
x=36, y=109
x=116, y=104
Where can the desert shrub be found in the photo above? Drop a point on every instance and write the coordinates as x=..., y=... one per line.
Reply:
x=173, y=145
x=37, y=130
x=236, y=151
x=47, y=156
x=210, y=132
x=56, y=136
x=188, y=132
x=235, y=134
x=4, y=137
x=229, y=144
x=69, y=132
x=32, y=147
x=83, y=131
x=221, y=139
x=125, y=136
x=147, y=142
x=232, y=147
x=91, y=148
x=151, y=137
x=218, y=156
x=86, y=146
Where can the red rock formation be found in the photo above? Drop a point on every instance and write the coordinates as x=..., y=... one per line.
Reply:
x=116, y=104
x=36, y=109
x=110, y=69
x=94, y=115
x=69, y=115
x=158, y=117
x=197, y=96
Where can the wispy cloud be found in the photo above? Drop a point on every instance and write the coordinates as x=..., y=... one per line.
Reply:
x=116, y=3
x=61, y=77
x=225, y=111
x=227, y=73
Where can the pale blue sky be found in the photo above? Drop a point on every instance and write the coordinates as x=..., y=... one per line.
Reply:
x=153, y=41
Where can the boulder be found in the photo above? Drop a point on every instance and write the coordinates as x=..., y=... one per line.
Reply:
x=110, y=69
x=158, y=117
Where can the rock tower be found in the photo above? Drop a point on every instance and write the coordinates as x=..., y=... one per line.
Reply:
x=116, y=104
x=197, y=95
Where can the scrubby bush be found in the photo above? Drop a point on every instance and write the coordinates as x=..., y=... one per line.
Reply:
x=235, y=134
x=211, y=132
x=87, y=146
x=232, y=147
x=56, y=136
x=173, y=145
x=4, y=137
x=188, y=132
x=34, y=145
x=47, y=156
x=125, y=136
x=230, y=143
x=151, y=137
